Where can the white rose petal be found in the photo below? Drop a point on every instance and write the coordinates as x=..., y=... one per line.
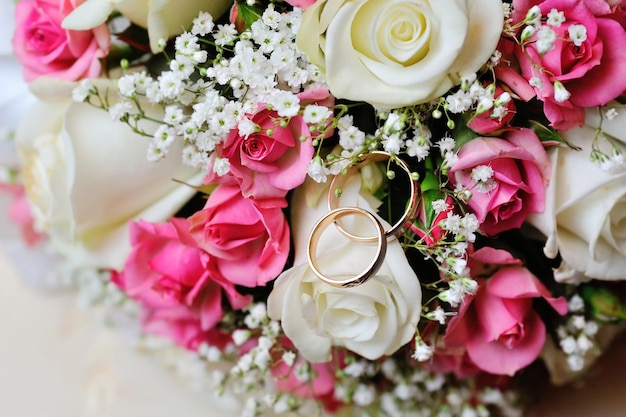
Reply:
x=87, y=176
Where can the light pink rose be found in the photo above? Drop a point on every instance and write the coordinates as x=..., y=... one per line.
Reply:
x=497, y=326
x=593, y=72
x=174, y=282
x=249, y=244
x=302, y=4
x=21, y=214
x=321, y=387
x=268, y=166
x=44, y=48
x=521, y=172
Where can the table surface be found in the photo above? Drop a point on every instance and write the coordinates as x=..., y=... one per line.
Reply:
x=55, y=361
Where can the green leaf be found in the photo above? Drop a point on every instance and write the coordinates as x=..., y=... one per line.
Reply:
x=605, y=305
x=548, y=136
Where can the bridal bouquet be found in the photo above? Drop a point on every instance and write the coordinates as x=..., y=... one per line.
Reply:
x=368, y=207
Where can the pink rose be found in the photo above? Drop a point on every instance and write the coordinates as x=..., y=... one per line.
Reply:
x=265, y=165
x=520, y=171
x=173, y=280
x=249, y=244
x=44, y=48
x=497, y=327
x=592, y=72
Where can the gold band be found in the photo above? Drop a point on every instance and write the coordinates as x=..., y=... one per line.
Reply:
x=412, y=204
x=319, y=228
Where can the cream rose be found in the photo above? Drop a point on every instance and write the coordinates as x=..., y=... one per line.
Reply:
x=87, y=176
x=585, y=215
x=395, y=53
x=374, y=319
x=162, y=18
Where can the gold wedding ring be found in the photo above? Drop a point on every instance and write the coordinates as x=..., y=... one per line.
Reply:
x=411, y=208
x=322, y=225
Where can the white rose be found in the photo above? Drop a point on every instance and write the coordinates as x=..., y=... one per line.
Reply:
x=373, y=319
x=162, y=18
x=395, y=53
x=585, y=214
x=86, y=176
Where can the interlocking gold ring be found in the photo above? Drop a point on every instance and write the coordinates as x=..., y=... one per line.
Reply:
x=323, y=223
x=412, y=204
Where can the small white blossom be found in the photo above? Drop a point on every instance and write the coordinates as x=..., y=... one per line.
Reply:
x=240, y=336
x=225, y=34
x=578, y=34
x=202, y=24
x=546, y=36
x=535, y=82
x=576, y=304
x=315, y=114
x=423, y=352
x=446, y=144
x=584, y=343
x=119, y=110
x=289, y=357
x=285, y=103
x=317, y=171
x=393, y=143
x=126, y=85
x=364, y=395
x=611, y=113
x=560, y=92
x=482, y=173
x=82, y=90
x=221, y=166
x=576, y=362
x=568, y=345
x=173, y=115
x=555, y=18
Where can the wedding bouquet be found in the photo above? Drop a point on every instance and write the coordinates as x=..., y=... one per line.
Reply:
x=369, y=207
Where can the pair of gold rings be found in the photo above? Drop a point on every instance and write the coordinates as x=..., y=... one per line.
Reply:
x=381, y=236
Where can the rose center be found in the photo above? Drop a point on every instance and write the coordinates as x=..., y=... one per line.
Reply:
x=42, y=38
x=401, y=34
x=512, y=337
x=255, y=148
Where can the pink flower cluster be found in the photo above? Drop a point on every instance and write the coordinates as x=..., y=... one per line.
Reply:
x=44, y=48
x=590, y=70
x=520, y=174
x=497, y=330
x=180, y=271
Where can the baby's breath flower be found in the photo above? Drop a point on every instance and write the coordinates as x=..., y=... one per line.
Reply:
x=578, y=34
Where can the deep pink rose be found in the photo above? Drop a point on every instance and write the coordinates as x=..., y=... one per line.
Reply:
x=44, y=48
x=249, y=244
x=174, y=281
x=497, y=327
x=427, y=225
x=267, y=166
x=592, y=72
x=521, y=172
x=485, y=123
